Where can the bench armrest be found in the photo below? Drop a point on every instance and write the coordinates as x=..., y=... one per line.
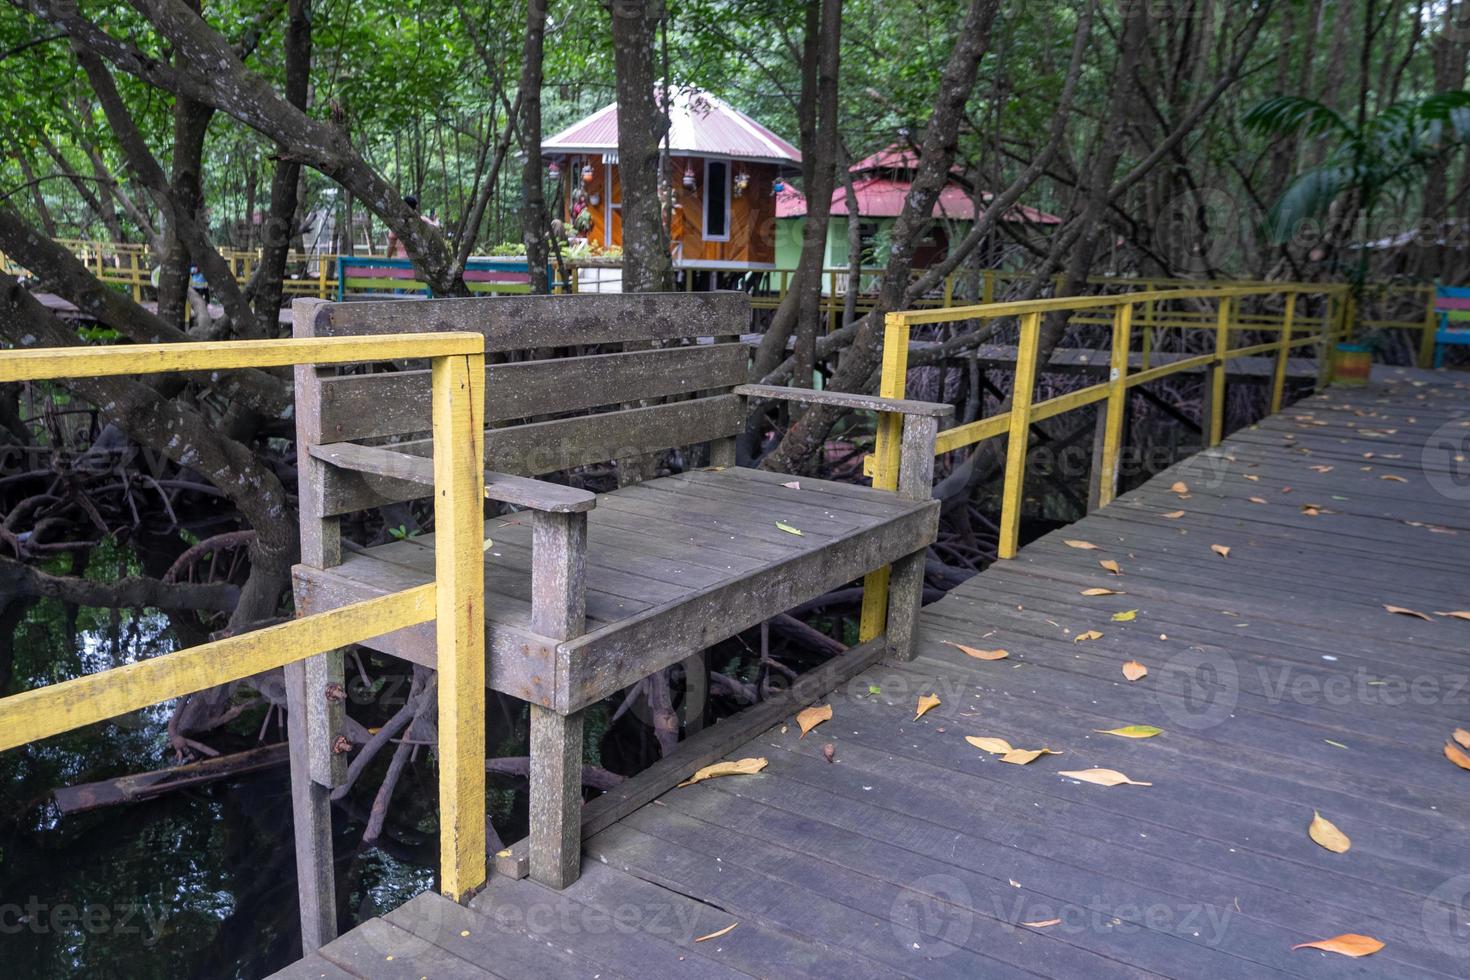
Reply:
x=519, y=491
x=848, y=400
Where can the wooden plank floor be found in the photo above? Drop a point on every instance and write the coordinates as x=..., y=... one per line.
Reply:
x=1282, y=684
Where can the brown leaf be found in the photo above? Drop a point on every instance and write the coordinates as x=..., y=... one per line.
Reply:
x=1102, y=777
x=1253, y=478
x=1044, y=923
x=976, y=652
x=1133, y=670
x=718, y=933
x=740, y=767
x=1180, y=487
x=1348, y=944
x=1173, y=515
x=1116, y=592
x=1222, y=550
x=995, y=746
x=1020, y=757
x=829, y=751
x=1452, y=752
x=1395, y=479
x=1325, y=832
x=1457, y=614
x=1257, y=500
x=1321, y=469
x=1084, y=545
x=1089, y=635
x=1463, y=737
x=926, y=703
x=1111, y=566
x=1400, y=610
x=809, y=718
x=1311, y=510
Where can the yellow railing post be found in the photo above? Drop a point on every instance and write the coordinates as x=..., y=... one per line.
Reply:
x=1216, y=379
x=1016, y=443
x=1431, y=327
x=886, y=446
x=1117, y=403
x=1283, y=352
x=987, y=286
x=459, y=528
x=1149, y=311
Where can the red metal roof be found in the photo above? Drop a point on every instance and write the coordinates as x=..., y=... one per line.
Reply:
x=700, y=125
x=883, y=197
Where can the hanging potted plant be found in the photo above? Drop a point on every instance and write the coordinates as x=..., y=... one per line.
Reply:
x=740, y=183
x=689, y=183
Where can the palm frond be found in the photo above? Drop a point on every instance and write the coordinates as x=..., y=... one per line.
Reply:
x=1308, y=196
x=1283, y=114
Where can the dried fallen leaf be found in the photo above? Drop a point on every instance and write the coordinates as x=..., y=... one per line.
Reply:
x=1222, y=550
x=829, y=751
x=1457, y=614
x=792, y=485
x=788, y=529
x=740, y=767
x=1116, y=592
x=1131, y=731
x=1044, y=923
x=1257, y=500
x=809, y=718
x=718, y=933
x=1253, y=478
x=1133, y=670
x=1321, y=469
x=1348, y=944
x=1020, y=757
x=1084, y=545
x=926, y=703
x=1180, y=487
x=1395, y=479
x=1173, y=515
x=1089, y=635
x=1111, y=566
x=1102, y=777
x=1400, y=610
x=1452, y=752
x=1463, y=737
x=1310, y=510
x=1325, y=832
x=995, y=746
x=976, y=652
x=1127, y=616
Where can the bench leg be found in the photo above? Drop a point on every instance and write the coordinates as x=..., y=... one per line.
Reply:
x=311, y=818
x=905, y=596
x=556, y=797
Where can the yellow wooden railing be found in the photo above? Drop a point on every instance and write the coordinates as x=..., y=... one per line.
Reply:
x=454, y=600
x=1121, y=313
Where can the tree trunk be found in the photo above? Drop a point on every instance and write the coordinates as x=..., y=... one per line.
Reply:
x=641, y=125
x=534, y=225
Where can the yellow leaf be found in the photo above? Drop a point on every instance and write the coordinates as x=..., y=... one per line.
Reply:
x=1102, y=592
x=1463, y=737
x=1127, y=616
x=1044, y=923
x=1325, y=832
x=1084, y=545
x=1452, y=752
x=1457, y=614
x=809, y=718
x=926, y=702
x=1111, y=566
x=1222, y=550
x=1400, y=610
x=740, y=767
x=1133, y=670
x=1089, y=635
x=1395, y=479
x=1348, y=944
x=1131, y=731
x=1173, y=515
x=1020, y=757
x=976, y=652
x=1102, y=777
x=1180, y=487
x=995, y=746
x=788, y=529
x=718, y=933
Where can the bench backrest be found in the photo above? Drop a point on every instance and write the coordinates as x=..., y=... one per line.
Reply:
x=1452, y=303
x=359, y=274
x=660, y=378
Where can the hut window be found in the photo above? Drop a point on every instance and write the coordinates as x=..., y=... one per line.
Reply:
x=716, y=201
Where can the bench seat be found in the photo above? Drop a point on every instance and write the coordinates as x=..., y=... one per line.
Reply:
x=671, y=565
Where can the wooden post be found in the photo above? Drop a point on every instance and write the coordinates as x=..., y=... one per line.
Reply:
x=558, y=611
x=1214, y=423
x=906, y=580
x=1429, y=330
x=1018, y=439
x=1278, y=381
x=1116, y=407
x=887, y=450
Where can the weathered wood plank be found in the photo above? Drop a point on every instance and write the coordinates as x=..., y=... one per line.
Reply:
x=855, y=401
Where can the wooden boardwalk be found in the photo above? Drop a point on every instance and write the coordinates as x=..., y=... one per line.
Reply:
x=1282, y=684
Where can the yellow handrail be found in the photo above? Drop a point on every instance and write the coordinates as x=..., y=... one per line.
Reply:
x=1121, y=312
x=454, y=600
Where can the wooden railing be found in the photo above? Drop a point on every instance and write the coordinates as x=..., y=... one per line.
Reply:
x=454, y=601
x=1121, y=313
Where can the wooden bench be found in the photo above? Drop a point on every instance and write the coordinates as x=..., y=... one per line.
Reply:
x=373, y=277
x=587, y=593
x=1451, y=306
